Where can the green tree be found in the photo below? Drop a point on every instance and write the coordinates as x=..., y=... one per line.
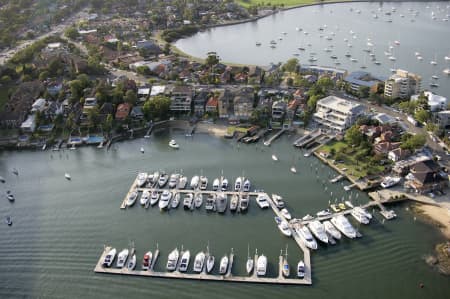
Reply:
x=108, y=123
x=353, y=136
x=363, y=91
x=312, y=101
x=130, y=97
x=413, y=142
x=422, y=115
x=212, y=59
x=71, y=33
x=157, y=108
x=291, y=66
x=76, y=89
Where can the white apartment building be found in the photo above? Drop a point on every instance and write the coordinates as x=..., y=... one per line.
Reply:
x=402, y=85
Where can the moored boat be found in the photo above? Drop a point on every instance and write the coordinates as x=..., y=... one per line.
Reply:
x=261, y=265
x=194, y=182
x=331, y=230
x=175, y=200
x=182, y=182
x=223, y=265
x=243, y=202
x=278, y=201
x=187, y=201
x=301, y=269
x=173, y=144
x=145, y=197
x=342, y=224
x=286, y=214
x=360, y=217
x=216, y=184
x=203, y=183
x=109, y=258
x=262, y=201
x=163, y=178
x=154, y=198
x=173, y=180
x=147, y=260
x=246, y=185
x=172, y=260
x=141, y=179
x=285, y=269
x=132, y=262
x=199, y=262
x=238, y=184
x=164, y=201
x=224, y=184
x=122, y=258
x=283, y=226
x=198, y=200
x=234, y=202
x=306, y=236
x=131, y=199
x=221, y=202
x=323, y=213
x=318, y=230
x=184, y=262
x=390, y=181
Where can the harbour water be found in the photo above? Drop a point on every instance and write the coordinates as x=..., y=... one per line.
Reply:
x=412, y=26
x=61, y=226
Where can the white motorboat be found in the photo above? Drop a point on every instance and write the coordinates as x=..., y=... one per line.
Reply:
x=175, y=200
x=154, y=198
x=210, y=263
x=131, y=199
x=67, y=176
x=199, y=262
x=194, y=181
x=166, y=195
x=247, y=185
x=147, y=260
x=307, y=217
x=293, y=169
x=285, y=269
x=360, y=217
x=109, y=258
x=224, y=184
x=344, y=226
x=182, y=182
x=278, y=201
x=283, y=226
x=275, y=158
x=174, y=144
x=286, y=214
x=184, y=262
x=262, y=201
x=331, y=230
x=216, y=184
x=323, y=213
x=306, y=236
x=145, y=197
x=318, y=230
x=10, y=197
x=210, y=204
x=261, y=265
x=172, y=260
x=155, y=178
x=187, y=201
x=349, y=204
x=301, y=269
x=234, y=202
x=363, y=212
x=198, y=200
x=221, y=202
x=142, y=149
x=132, y=262
x=163, y=178
x=390, y=181
x=223, y=265
x=141, y=179
x=203, y=183
x=122, y=258
x=238, y=184
x=173, y=180
x=243, y=202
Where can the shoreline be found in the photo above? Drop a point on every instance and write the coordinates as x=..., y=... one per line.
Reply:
x=437, y=216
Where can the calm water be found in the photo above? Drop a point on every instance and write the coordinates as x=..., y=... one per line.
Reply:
x=415, y=33
x=60, y=227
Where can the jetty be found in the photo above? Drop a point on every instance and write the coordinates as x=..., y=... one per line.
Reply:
x=308, y=138
x=275, y=136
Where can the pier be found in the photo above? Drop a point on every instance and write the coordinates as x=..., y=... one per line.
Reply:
x=275, y=136
x=304, y=140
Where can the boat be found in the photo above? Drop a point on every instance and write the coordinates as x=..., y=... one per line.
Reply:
x=174, y=144
x=223, y=265
x=262, y=201
x=304, y=233
x=182, y=181
x=335, y=208
x=216, y=184
x=132, y=262
x=198, y=200
x=172, y=260
x=199, y=262
x=342, y=224
x=318, y=230
x=109, y=258
x=324, y=213
x=175, y=200
x=221, y=202
x=307, y=217
x=342, y=206
x=154, y=198
x=446, y=71
x=278, y=200
x=147, y=260
x=131, y=199
x=360, y=217
x=142, y=148
x=194, y=182
x=363, y=212
x=238, y=184
x=331, y=230
x=293, y=169
x=250, y=262
x=392, y=58
x=261, y=265
x=258, y=44
x=163, y=178
x=173, y=180
x=349, y=204
x=301, y=269
x=210, y=204
x=10, y=197
x=243, y=202
x=203, y=182
x=145, y=197
x=285, y=268
x=184, y=263
x=224, y=184
x=435, y=77
x=247, y=185
x=234, y=202
x=141, y=179
x=434, y=84
x=390, y=181
x=283, y=226
x=286, y=214
x=275, y=158
x=2, y=179
x=67, y=176
x=397, y=42
x=163, y=203
x=122, y=258
x=187, y=201
x=154, y=179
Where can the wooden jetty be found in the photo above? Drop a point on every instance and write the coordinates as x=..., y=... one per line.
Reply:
x=275, y=136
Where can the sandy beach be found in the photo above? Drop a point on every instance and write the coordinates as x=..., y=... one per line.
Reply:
x=440, y=214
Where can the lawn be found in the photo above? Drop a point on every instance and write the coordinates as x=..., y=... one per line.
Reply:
x=287, y=3
x=232, y=129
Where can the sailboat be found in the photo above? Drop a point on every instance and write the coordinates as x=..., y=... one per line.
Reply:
x=275, y=158
x=286, y=270
x=250, y=262
x=433, y=62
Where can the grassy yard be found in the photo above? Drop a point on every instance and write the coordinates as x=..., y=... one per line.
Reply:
x=232, y=129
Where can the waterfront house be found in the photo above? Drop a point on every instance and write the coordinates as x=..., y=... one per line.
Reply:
x=398, y=154
x=359, y=79
x=443, y=119
x=181, y=98
x=435, y=102
x=225, y=103
x=427, y=176
x=278, y=110
x=157, y=90
x=143, y=93
x=123, y=110
x=200, y=99
x=29, y=125
x=402, y=85
x=243, y=106
x=211, y=105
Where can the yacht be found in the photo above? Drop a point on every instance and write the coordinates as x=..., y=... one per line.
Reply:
x=293, y=169
x=363, y=212
x=390, y=181
x=182, y=181
x=261, y=265
x=247, y=185
x=132, y=198
x=234, y=202
x=435, y=77
x=210, y=204
x=286, y=214
x=275, y=158
x=307, y=217
x=210, y=263
x=360, y=217
x=306, y=236
x=199, y=261
x=184, y=263
x=155, y=178
x=163, y=178
x=446, y=71
x=67, y=176
x=132, y=262
x=166, y=195
x=224, y=185
x=238, y=184
x=221, y=202
x=11, y=197
x=154, y=198
x=122, y=258
x=145, y=197
x=203, y=182
x=344, y=226
x=258, y=44
x=187, y=201
x=301, y=269
x=175, y=200
x=173, y=180
x=223, y=265
x=286, y=271
x=216, y=184
x=262, y=201
x=318, y=230
x=147, y=260
x=194, y=181
x=109, y=258
x=250, y=262
x=243, y=202
x=172, y=260
x=278, y=200
x=324, y=213
x=141, y=179
x=198, y=200
x=142, y=149
x=283, y=226
x=174, y=144
x=331, y=230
